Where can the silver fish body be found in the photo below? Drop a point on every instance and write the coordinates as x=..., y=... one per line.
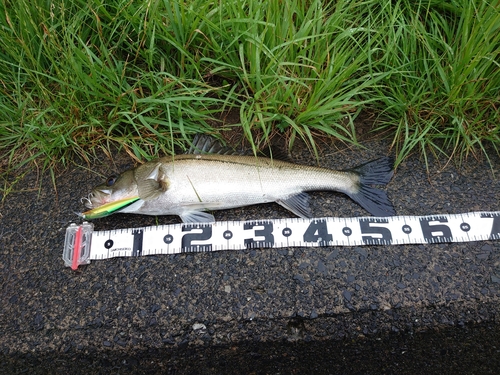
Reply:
x=189, y=185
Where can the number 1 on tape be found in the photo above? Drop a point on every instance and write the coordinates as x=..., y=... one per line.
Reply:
x=82, y=244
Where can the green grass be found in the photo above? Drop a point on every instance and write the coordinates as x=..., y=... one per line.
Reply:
x=447, y=98
x=81, y=76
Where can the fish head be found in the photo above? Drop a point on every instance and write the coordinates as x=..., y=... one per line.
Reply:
x=115, y=193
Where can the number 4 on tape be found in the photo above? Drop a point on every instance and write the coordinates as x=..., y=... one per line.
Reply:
x=82, y=244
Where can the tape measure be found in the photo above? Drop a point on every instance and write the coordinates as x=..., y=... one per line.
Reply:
x=83, y=244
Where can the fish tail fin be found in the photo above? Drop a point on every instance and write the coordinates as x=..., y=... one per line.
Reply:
x=375, y=173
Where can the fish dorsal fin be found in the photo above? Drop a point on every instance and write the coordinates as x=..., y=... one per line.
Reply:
x=298, y=204
x=151, y=180
x=205, y=144
x=276, y=153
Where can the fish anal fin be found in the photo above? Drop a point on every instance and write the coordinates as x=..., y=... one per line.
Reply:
x=196, y=217
x=298, y=204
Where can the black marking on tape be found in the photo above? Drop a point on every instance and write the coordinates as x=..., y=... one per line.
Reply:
x=317, y=231
x=347, y=231
x=435, y=232
x=375, y=235
x=187, y=239
x=495, y=228
x=465, y=227
x=138, y=237
x=266, y=232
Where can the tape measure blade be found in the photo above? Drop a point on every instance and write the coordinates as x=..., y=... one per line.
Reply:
x=112, y=243
x=483, y=225
x=274, y=233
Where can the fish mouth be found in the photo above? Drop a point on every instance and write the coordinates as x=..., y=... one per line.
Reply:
x=96, y=199
x=92, y=201
x=87, y=201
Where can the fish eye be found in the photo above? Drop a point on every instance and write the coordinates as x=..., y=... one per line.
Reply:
x=111, y=180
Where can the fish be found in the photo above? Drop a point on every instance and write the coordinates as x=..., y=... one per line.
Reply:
x=212, y=177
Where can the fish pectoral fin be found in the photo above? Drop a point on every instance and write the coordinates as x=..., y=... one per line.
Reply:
x=152, y=184
x=196, y=217
x=298, y=204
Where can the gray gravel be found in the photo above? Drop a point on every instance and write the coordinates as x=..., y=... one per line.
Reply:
x=372, y=309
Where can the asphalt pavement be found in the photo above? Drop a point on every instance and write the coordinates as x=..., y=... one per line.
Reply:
x=350, y=310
